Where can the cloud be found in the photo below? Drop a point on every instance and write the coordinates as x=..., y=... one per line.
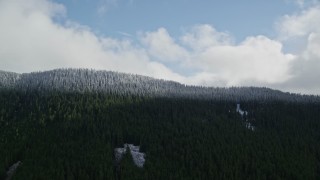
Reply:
x=305, y=68
x=300, y=3
x=31, y=40
x=256, y=59
x=201, y=37
x=124, y=34
x=105, y=5
x=304, y=26
x=216, y=60
x=300, y=24
x=162, y=46
x=305, y=3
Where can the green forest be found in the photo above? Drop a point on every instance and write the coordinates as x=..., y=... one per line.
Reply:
x=69, y=135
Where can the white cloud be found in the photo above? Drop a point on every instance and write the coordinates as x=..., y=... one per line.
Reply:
x=217, y=61
x=31, y=41
x=305, y=3
x=163, y=47
x=203, y=36
x=305, y=68
x=304, y=26
x=300, y=24
x=105, y=5
x=313, y=48
x=300, y=3
x=257, y=59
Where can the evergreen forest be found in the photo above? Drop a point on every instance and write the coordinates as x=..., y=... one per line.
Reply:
x=72, y=135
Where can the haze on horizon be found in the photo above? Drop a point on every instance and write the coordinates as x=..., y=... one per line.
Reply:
x=211, y=43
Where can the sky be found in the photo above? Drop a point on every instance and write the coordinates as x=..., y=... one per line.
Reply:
x=273, y=43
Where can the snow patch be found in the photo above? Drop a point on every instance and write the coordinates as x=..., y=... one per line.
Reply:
x=250, y=126
x=137, y=156
x=12, y=169
x=240, y=111
x=247, y=124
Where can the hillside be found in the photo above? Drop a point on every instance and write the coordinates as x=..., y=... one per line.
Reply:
x=69, y=124
x=85, y=80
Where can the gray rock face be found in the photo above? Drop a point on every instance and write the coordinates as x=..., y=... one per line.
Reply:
x=137, y=156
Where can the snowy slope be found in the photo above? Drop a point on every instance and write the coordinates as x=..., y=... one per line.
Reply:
x=137, y=156
x=8, y=79
x=85, y=80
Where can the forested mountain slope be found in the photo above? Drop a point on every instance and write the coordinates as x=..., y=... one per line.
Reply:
x=66, y=124
x=85, y=80
x=8, y=79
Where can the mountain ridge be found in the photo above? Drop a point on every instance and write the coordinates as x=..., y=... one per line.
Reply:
x=90, y=80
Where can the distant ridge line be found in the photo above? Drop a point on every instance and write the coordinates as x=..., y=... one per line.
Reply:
x=90, y=80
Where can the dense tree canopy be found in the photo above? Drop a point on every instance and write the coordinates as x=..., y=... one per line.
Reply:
x=65, y=124
x=65, y=135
